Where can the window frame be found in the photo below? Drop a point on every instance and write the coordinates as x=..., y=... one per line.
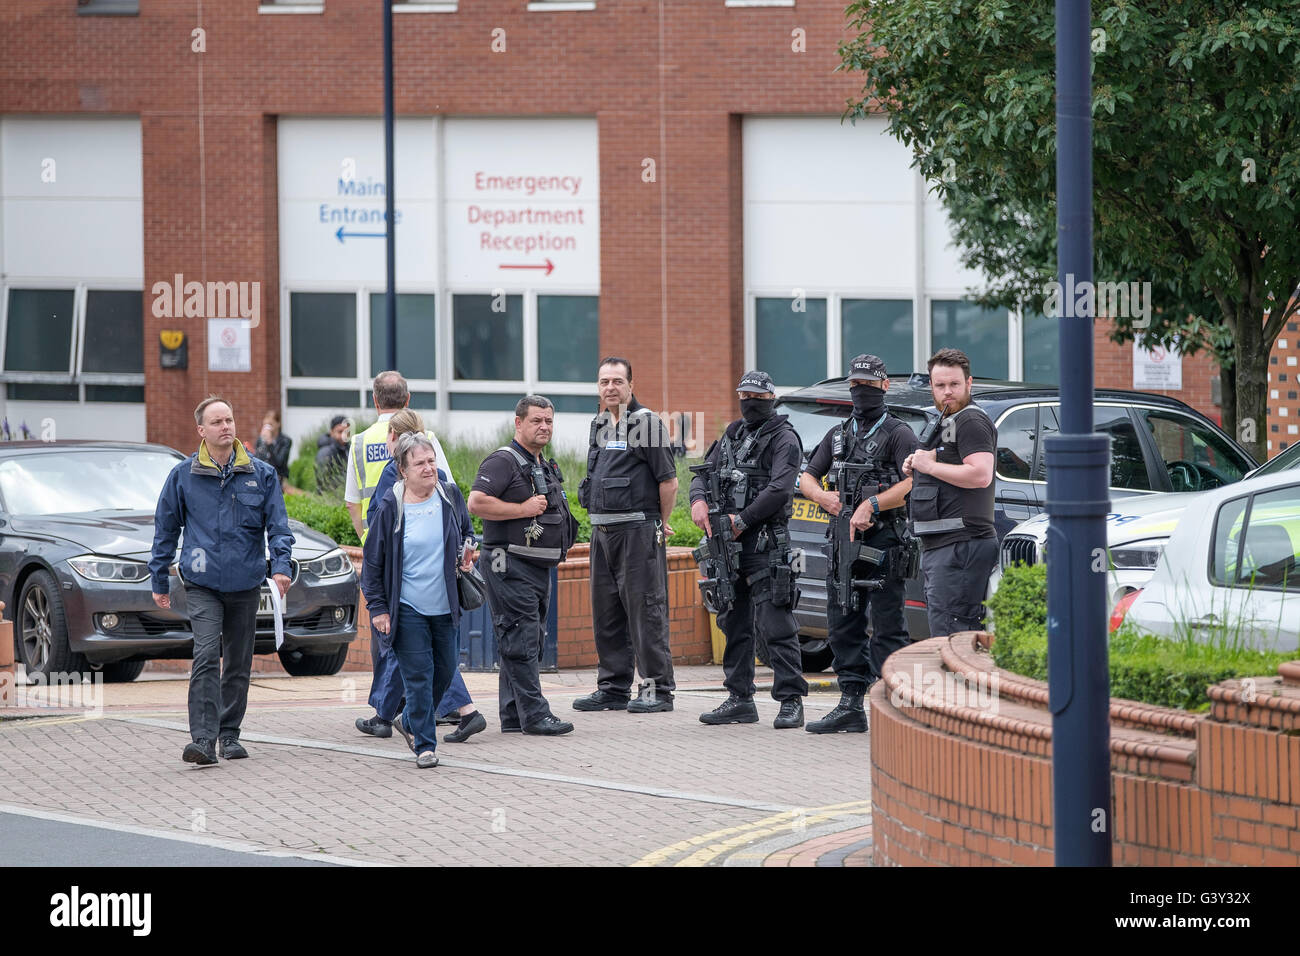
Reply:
x=77, y=344
x=1246, y=515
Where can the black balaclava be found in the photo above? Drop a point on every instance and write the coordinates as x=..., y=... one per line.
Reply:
x=755, y=411
x=868, y=402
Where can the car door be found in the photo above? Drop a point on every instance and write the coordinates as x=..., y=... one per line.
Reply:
x=1189, y=455
x=1252, y=592
x=1018, y=496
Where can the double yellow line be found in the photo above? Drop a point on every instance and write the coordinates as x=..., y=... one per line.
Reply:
x=709, y=846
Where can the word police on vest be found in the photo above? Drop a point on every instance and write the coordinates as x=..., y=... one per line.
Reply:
x=74, y=908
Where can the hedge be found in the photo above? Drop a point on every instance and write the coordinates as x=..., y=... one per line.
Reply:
x=1171, y=672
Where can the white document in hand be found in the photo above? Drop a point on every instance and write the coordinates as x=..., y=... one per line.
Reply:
x=277, y=603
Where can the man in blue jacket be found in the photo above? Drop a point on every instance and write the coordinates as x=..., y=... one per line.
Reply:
x=229, y=506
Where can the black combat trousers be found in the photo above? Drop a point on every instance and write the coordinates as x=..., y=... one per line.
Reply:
x=518, y=596
x=858, y=659
x=755, y=612
x=629, y=607
x=956, y=580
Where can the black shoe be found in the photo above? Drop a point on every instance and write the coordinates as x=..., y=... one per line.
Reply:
x=791, y=714
x=232, y=749
x=646, y=704
x=511, y=726
x=200, y=752
x=848, y=717
x=601, y=700
x=549, y=726
x=447, y=719
x=406, y=734
x=375, y=726
x=733, y=710
x=470, y=725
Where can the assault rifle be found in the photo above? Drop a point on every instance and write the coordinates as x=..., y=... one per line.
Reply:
x=854, y=482
x=718, y=554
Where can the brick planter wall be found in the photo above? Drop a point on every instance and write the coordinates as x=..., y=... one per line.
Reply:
x=964, y=777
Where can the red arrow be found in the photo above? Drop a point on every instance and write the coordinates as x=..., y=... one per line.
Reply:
x=549, y=267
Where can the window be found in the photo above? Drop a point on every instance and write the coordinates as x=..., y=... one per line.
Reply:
x=1017, y=440
x=291, y=6
x=108, y=7
x=114, y=340
x=1265, y=556
x=790, y=339
x=38, y=331
x=1047, y=426
x=1195, y=457
x=882, y=327
x=558, y=6
x=417, y=334
x=488, y=342
x=568, y=337
x=323, y=334
x=1041, y=338
x=1128, y=466
x=980, y=333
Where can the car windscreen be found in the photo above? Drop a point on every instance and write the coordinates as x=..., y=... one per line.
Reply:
x=76, y=482
x=812, y=420
x=1282, y=462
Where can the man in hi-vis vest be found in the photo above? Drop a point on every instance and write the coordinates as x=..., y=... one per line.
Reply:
x=369, y=452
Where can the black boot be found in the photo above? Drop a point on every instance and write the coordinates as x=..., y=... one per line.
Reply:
x=848, y=717
x=791, y=714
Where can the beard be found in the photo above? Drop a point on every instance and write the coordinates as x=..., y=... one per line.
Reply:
x=955, y=404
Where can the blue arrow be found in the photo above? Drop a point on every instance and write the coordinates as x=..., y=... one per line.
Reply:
x=359, y=235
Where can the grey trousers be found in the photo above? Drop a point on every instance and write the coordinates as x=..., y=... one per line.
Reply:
x=224, y=625
x=629, y=608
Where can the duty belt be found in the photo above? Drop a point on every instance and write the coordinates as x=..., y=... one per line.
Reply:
x=942, y=524
x=621, y=517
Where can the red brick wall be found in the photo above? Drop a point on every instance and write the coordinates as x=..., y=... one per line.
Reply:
x=955, y=785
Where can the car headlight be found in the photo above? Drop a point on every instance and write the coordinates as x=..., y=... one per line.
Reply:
x=332, y=564
x=1138, y=554
x=115, y=570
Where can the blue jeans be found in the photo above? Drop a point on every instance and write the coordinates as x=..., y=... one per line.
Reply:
x=426, y=650
x=387, y=689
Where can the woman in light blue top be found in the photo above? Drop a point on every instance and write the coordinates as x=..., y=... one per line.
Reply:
x=414, y=542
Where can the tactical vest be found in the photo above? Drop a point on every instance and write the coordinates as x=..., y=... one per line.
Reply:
x=936, y=504
x=546, y=538
x=749, y=475
x=849, y=446
x=632, y=494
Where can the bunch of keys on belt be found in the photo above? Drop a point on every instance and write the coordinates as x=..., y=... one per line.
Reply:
x=532, y=532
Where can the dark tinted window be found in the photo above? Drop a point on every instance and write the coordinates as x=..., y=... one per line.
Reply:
x=1128, y=466
x=568, y=337
x=1017, y=438
x=790, y=337
x=881, y=327
x=323, y=334
x=114, y=332
x=488, y=341
x=417, y=334
x=38, y=336
x=1194, y=455
x=980, y=333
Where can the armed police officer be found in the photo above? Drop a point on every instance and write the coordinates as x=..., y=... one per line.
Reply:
x=952, y=500
x=629, y=492
x=741, y=498
x=871, y=554
x=527, y=529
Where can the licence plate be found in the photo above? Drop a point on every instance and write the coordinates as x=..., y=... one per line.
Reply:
x=805, y=510
x=264, y=605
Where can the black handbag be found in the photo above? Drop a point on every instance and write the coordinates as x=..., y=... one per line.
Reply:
x=471, y=588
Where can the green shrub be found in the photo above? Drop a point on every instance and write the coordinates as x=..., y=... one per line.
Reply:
x=324, y=515
x=1170, y=672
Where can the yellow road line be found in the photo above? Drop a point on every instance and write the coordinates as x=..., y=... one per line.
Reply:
x=706, y=846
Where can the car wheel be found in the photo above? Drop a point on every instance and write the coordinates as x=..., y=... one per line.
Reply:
x=300, y=664
x=120, y=672
x=815, y=656
x=42, y=629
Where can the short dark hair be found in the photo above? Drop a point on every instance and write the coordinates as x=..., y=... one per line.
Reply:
x=954, y=358
x=390, y=390
x=203, y=406
x=531, y=401
x=615, y=360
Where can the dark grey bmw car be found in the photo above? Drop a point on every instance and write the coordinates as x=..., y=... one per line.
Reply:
x=76, y=530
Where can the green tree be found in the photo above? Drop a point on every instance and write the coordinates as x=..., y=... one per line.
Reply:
x=1196, y=159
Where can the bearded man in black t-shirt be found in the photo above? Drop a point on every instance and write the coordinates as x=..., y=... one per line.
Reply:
x=951, y=504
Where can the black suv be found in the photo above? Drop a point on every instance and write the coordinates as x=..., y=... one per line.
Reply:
x=1157, y=444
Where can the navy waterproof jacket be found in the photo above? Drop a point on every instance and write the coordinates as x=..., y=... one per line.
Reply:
x=381, y=570
x=227, y=524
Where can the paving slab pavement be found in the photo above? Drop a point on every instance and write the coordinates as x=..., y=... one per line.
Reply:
x=653, y=789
